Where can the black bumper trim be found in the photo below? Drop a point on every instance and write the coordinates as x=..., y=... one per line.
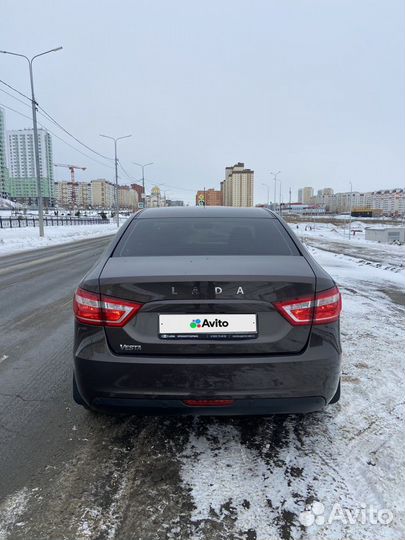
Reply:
x=239, y=407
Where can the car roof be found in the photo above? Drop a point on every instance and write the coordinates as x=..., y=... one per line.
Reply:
x=204, y=212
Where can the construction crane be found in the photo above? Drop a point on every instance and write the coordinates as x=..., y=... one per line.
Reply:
x=72, y=177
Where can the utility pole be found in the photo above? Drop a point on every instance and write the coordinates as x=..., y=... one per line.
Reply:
x=116, y=198
x=350, y=210
x=275, y=174
x=117, y=206
x=35, y=128
x=143, y=165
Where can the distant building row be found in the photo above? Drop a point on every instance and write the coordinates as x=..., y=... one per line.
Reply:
x=389, y=202
x=18, y=180
x=236, y=189
x=98, y=193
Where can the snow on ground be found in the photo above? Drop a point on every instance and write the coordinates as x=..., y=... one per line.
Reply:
x=270, y=479
x=14, y=240
x=340, y=233
x=5, y=203
x=11, y=510
x=329, y=237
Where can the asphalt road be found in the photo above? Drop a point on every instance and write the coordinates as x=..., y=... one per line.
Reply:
x=36, y=410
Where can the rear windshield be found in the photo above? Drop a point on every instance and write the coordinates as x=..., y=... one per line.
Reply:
x=201, y=236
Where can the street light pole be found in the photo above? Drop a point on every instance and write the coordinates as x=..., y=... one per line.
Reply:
x=350, y=209
x=275, y=174
x=36, y=141
x=143, y=165
x=116, y=139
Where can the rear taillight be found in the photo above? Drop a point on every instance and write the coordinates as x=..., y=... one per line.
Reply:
x=100, y=310
x=323, y=308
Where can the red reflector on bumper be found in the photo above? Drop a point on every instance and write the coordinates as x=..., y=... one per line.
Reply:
x=208, y=402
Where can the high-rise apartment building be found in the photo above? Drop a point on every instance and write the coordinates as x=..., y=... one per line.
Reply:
x=237, y=187
x=73, y=195
x=390, y=201
x=305, y=194
x=4, y=181
x=209, y=197
x=323, y=198
x=102, y=193
x=325, y=192
x=21, y=161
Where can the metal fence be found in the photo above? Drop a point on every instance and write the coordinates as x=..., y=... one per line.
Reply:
x=30, y=221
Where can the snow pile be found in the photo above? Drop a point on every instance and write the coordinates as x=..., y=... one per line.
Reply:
x=359, y=225
x=10, y=511
x=5, y=203
x=13, y=240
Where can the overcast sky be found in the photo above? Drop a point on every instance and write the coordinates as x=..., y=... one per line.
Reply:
x=313, y=88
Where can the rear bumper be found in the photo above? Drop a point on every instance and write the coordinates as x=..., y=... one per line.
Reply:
x=258, y=384
x=239, y=407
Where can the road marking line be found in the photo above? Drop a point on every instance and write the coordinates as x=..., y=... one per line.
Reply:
x=27, y=318
x=35, y=262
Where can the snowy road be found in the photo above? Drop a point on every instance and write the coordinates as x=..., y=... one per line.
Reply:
x=69, y=475
x=16, y=240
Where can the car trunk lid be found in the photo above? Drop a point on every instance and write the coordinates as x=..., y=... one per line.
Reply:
x=208, y=288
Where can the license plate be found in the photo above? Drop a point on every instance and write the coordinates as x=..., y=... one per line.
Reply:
x=205, y=324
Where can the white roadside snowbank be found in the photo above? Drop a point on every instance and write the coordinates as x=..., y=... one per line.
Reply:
x=14, y=240
x=339, y=233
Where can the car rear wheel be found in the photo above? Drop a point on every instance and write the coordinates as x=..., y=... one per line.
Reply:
x=336, y=397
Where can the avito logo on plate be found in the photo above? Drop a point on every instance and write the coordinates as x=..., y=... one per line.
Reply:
x=197, y=323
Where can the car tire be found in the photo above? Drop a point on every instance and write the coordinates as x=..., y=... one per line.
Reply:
x=336, y=397
x=77, y=396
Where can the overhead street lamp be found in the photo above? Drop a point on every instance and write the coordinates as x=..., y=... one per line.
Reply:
x=274, y=175
x=35, y=126
x=116, y=139
x=143, y=165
